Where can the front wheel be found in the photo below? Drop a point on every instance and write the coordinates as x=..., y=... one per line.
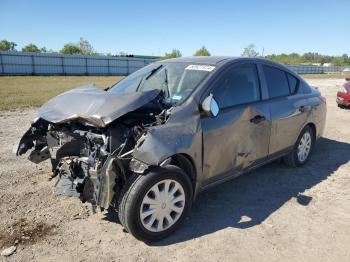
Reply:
x=302, y=148
x=154, y=205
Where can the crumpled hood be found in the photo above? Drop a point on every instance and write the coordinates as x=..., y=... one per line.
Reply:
x=95, y=105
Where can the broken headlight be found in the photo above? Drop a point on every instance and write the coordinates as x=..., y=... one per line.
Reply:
x=137, y=166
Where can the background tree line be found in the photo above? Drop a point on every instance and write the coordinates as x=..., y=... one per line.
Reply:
x=83, y=47
x=297, y=59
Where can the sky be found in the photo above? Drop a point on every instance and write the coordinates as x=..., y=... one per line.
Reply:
x=155, y=27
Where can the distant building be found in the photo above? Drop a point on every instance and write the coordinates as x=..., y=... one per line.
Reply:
x=327, y=64
x=310, y=64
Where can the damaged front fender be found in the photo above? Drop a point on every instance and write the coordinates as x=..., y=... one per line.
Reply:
x=175, y=137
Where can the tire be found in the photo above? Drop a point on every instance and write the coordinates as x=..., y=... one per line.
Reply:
x=133, y=203
x=293, y=159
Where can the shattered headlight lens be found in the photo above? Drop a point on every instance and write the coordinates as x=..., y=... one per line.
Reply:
x=137, y=166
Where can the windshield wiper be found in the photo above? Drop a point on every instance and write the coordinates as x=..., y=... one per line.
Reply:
x=166, y=81
x=153, y=71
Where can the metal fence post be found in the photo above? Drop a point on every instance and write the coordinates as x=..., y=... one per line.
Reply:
x=62, y=64
x=33, y=65
x=2, y=64
x=86, y=66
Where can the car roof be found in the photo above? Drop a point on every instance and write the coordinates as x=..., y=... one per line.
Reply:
x=215, y=60
x=212, y=60
x=221, y=60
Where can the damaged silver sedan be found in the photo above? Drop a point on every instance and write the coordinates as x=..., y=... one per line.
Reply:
x=149, y=144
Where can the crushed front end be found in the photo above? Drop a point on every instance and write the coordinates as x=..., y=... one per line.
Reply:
x=93, y=161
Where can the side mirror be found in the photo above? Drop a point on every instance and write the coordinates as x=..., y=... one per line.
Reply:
x=209, y=106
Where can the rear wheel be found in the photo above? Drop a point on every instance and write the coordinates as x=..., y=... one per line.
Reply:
x=155, y=204
x=302, y=148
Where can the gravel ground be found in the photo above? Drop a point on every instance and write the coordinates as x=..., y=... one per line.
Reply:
x=272, y=214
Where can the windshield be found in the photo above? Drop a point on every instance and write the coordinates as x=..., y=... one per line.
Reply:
x=176, y=80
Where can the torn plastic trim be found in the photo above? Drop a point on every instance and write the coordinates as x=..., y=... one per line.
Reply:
x=110, y=177
x=35, y=133
x=165, y=162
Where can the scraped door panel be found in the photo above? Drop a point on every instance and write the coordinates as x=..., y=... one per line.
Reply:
x=232, y=142
x=238, y=136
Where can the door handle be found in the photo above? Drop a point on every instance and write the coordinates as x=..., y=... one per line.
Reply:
x=303, y=109
x=257, y=119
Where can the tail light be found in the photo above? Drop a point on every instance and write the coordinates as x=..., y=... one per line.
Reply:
x=323, y=99
x=347, y=79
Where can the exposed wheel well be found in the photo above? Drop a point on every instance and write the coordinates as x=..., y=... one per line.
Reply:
x=313, y=127
x=185, y=162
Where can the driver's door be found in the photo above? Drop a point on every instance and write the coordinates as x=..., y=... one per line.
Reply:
x=238, y=137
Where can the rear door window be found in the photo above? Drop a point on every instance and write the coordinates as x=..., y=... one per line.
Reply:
x=238, y=85
x=277, y=82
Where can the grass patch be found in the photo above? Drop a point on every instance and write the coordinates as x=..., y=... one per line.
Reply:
x=17, y=92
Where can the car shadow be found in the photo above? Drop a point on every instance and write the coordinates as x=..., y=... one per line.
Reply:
x=251, y=198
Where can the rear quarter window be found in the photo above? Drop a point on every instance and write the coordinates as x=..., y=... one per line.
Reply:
x=293, y=83
x=304, y=87
x=277, y=82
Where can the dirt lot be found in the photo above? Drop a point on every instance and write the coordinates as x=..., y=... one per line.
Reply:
x=272, y=214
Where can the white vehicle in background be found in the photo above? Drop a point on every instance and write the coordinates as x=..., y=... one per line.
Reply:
x=346, y=70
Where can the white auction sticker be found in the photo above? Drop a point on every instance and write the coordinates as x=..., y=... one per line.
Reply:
x=200, y=67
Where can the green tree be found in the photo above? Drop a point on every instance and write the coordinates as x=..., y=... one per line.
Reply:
x=173, y=54
x=309, y=58
x=7, y=45
x=31, y=48
x=44, y=50
x=250, y=51
x=85, y=47
x=202, y=52
x=122, y=54
x=70, y=49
